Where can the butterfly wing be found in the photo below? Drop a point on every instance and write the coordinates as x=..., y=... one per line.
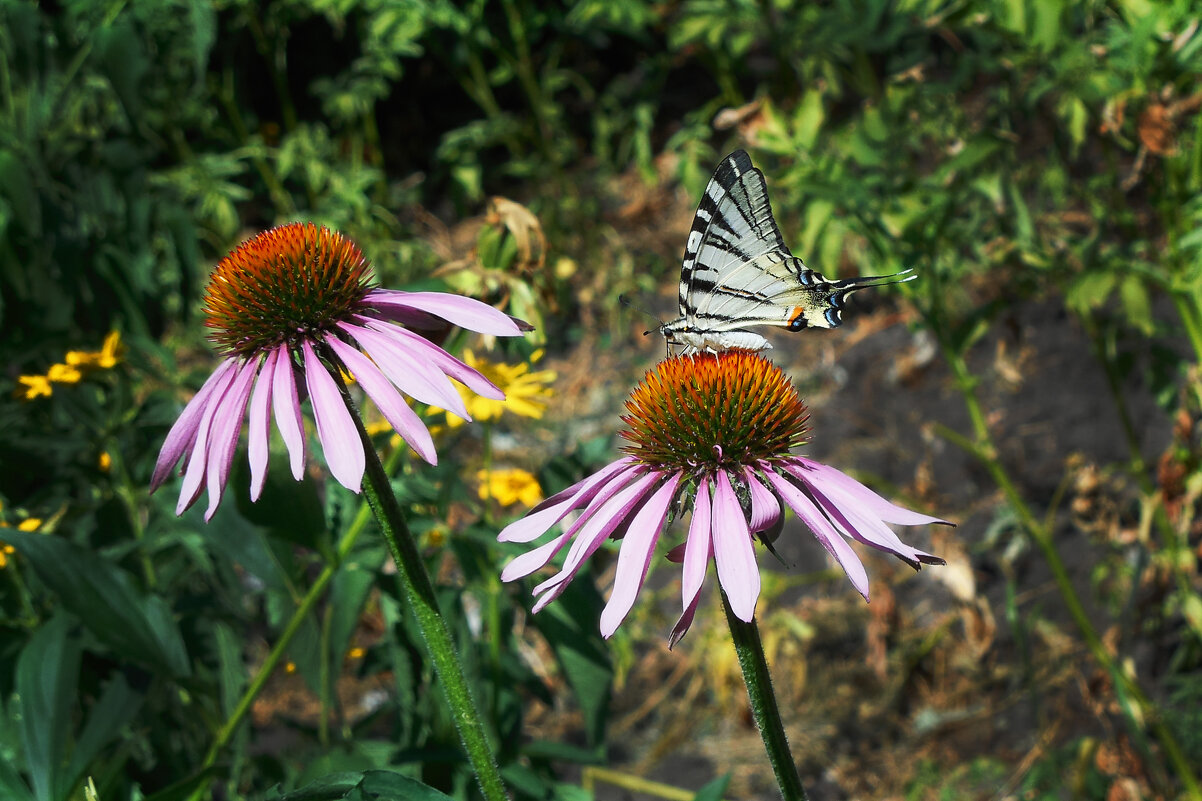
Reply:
x=733, y=226
x=737, y=271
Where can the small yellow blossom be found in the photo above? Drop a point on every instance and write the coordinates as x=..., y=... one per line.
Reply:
x=105, y=462
x=290, y=667
x=107, y=357
x=5, y=551
x=35, y=386
x=525, y=391
x=378, y=427
x=64, y=374
x=509, y=486
x=356, y=653
x=29, y=524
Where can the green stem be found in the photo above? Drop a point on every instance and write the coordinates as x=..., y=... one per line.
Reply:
x=1191, y=318
x=419, y=592
x=982, y=447
x=746, y=637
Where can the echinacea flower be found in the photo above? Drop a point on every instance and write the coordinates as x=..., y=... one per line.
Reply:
x=290, y=309
x=713, y=432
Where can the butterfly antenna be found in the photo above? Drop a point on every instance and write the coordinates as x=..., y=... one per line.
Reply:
x=878, y=280
x=626, y=301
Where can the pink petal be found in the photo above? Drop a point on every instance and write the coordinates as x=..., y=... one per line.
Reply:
x=852, y=492
x=182, y=435
x=698, y=547
x=867, y=529
x=734, y=554
x=384, y=395
x=635, y=556
x=419, y=380
x=335, y=429
x=525, y=564
x=683, y=623
x=553, y=509
x=470, y=377
x=464, y=312
x=194, y=472
x=765, y=507
x=223, y=438
x=286, y=405
x=601, y=518
x=823, y=530
x=259, y=428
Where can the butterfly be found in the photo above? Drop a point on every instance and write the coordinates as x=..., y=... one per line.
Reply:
x=737, y=271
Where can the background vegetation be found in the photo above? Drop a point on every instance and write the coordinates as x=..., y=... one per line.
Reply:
x=1021, y=154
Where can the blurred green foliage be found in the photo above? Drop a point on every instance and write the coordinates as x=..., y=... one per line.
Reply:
x=1005, y=148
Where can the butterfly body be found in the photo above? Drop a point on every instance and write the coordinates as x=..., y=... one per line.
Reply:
x=738, y=273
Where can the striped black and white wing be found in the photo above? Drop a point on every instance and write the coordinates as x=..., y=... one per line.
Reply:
x=733, y=227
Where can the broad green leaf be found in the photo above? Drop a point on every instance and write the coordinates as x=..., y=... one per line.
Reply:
x=1090, y=290
x=11, y=786
x=808, y=119
x=101, y=595
x=288, y=509
x=47, y=674
x=1137, y=304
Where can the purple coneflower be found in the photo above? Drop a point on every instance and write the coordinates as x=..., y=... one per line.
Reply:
x=288, y=309
x=713, y=432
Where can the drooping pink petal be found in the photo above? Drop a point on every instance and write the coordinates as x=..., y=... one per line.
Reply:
x=194, y=471
x=418, y=380
x=384, y=395
x=470, y=377
x=286, y=404
x=635, y=556
x=525, y=564
x=600, y=520
x=823, y=530
x=698, y=547
x=549, y=512
x=765, y=507
x=734, y=553
x=851, y=492
x=259, y=427
x=182, y=435
x=223, y=437
x=868, y=529
x=335, y=429
x=683, y=623
x=464, y=312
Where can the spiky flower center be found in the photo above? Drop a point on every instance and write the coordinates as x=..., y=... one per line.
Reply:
x=713, y=411
x=284, y=285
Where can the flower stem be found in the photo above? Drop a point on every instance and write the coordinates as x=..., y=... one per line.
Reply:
x=746, y=637
x=419, y=592
x=981, y=446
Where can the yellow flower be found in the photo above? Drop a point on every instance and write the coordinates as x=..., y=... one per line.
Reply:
x=509, y=486
x=105, y=462
x=5, y=551
x=35, y=387
x=64, y=374
x=105, y=358
x=29, y=524
x=524, y=391
x=356, y=653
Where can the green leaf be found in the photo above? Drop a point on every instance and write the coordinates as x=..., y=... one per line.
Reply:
x=117, y=706
x=288, y=509
x=1090, y=290
x=11, y=785
x=370, y=785
x=1137, y=304
x=570, y=627
x=102, y=597
x=713, y=790
x=47, y=674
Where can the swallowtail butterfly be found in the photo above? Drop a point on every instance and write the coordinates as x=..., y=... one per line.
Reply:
x=738, y=273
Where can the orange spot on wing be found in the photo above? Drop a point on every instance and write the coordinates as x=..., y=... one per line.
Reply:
x=797, y=312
